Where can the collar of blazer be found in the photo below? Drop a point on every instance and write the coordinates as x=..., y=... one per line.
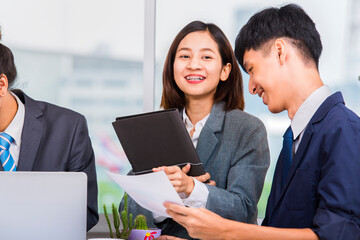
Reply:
x=325, y=107
x=32, y=132
x=319, y=115
x=208, y=139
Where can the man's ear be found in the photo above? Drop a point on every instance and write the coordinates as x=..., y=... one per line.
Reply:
x=225, y=72
x=281, y=49
x=3, y=85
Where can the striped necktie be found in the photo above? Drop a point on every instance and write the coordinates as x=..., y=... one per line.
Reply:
x=7, y=160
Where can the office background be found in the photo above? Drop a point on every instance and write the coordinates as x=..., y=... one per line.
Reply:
x=88, y=56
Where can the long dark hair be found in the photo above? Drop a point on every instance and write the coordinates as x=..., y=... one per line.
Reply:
x=229, y=91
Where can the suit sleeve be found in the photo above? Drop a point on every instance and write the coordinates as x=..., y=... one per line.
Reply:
x=245, y=179
x=82, y=160
x=337, y=216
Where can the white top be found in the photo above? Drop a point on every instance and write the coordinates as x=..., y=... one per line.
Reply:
x=199, y=195
x=15, y=130
x=306, y=111
x=198, y=127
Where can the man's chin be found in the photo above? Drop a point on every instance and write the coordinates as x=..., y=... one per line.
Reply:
x=274, y=109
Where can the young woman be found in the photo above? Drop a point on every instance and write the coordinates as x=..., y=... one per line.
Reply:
x=42, y=136
x=202, y=79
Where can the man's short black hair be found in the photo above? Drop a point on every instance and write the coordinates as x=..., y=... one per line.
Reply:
x=7, y=65
x=289, y=21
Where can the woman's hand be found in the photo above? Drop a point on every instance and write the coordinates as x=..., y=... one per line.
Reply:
x=179, y=178
x=202, y=178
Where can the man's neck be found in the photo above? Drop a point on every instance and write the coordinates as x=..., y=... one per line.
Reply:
x=8, y=109
x=308, y=83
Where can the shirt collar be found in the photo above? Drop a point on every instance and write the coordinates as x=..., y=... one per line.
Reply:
x=186, y=119
x=188, y=123
x=307, y=110
x=15, y=127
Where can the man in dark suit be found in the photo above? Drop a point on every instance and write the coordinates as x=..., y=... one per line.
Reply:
x=42, y=136
x=316, y=187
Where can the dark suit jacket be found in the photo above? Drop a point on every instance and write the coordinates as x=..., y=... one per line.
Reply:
x=56, y=139
x=233, y=148
x=322, y=190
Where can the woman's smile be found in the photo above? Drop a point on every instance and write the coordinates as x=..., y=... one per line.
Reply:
x=194, y=78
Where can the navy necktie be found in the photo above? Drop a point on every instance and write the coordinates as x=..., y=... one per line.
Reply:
x=7, y=160
x=287, y=153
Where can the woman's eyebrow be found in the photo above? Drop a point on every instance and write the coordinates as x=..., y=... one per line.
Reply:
x=184, y=49
x=207, y=49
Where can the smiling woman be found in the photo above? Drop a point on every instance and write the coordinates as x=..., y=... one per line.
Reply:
x=198, y=67
x=202, y=79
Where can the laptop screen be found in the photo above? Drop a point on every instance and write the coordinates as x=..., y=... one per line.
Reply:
x=43, y=205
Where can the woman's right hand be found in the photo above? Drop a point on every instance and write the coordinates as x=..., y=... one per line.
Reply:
x=205, y=177
x=202, y=178
x=178, y=178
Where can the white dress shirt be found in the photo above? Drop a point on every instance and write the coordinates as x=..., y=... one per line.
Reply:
x=198, y=127
x=199, y=195
x=306, y=111
x=15, y=130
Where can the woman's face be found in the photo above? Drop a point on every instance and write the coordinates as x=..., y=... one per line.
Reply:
x=198, y=65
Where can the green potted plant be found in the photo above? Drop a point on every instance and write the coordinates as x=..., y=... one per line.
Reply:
x=141, y=230
x=132, y=230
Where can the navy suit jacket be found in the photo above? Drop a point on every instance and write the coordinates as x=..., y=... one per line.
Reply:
x=322, y=190
x=56, y=139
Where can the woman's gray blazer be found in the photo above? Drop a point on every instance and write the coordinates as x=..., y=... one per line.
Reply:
x=233, y=148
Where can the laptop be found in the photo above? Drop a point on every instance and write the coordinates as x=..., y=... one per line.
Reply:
x=157, y=139
x=43, y=205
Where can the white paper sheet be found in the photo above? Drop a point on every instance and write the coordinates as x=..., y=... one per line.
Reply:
x=149, y=190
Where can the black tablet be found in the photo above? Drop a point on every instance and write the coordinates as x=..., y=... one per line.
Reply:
x=157, y=139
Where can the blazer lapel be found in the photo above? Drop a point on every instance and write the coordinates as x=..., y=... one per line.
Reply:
x=304, y=144
x=208, y=139
x=277, y=192
x=298, y=157
x=31, y=134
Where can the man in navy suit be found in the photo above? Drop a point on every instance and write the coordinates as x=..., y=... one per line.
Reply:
x=316, y=186
x=42, y=136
